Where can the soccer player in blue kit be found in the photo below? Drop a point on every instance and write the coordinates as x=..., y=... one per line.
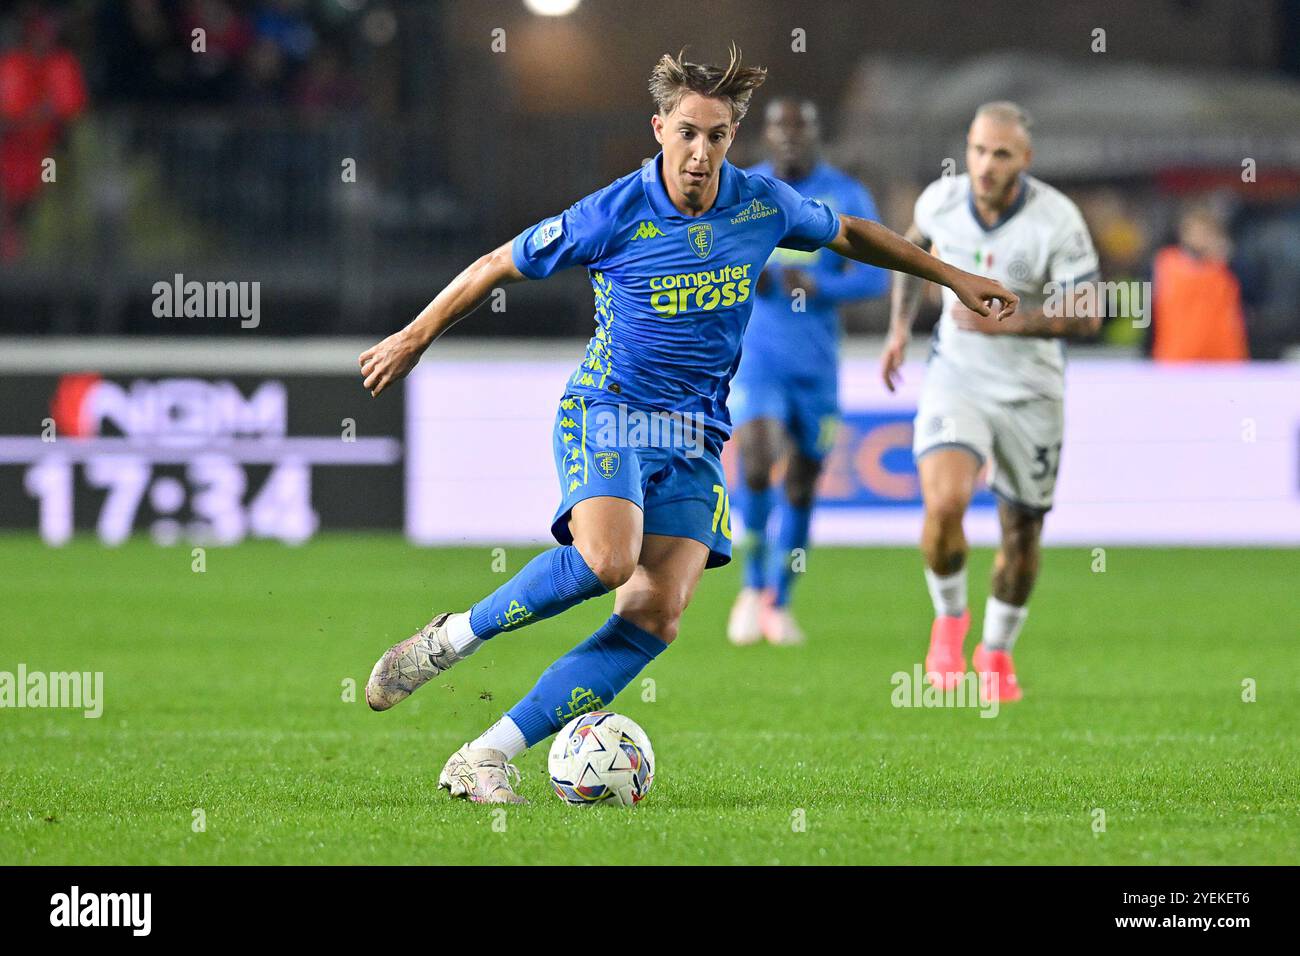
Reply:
x=673, y=251
x=785, y=397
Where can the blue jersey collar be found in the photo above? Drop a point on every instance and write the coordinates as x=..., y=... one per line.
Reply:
x=656, y=193
x=1007, y=213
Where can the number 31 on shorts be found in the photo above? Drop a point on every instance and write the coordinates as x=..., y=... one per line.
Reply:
x=722, y=512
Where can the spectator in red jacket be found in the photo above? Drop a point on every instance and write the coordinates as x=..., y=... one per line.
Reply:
x=41, y=91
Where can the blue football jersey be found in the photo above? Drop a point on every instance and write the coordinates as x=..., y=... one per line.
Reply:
x=783, y=341
x=673, y=292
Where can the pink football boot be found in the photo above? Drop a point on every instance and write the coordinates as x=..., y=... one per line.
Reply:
x=945, y=664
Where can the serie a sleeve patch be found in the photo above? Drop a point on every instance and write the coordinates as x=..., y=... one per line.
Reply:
x=548, y=232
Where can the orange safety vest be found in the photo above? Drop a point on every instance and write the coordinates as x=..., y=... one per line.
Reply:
x=1197, y=305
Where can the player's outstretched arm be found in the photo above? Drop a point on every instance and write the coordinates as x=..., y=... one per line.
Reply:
x=875, y=245
x=395, y=356
x=904, y=304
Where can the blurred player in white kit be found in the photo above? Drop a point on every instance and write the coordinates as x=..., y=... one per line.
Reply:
x=993, y=389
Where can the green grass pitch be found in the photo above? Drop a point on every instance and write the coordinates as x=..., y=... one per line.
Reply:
x=224, y=693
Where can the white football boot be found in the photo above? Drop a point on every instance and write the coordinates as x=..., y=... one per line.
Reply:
x=742, y=626
x=780, y=628
x=482, y=775
x=411, y=663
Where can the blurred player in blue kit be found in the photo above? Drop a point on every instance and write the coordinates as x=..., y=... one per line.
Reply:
x=673, y=251
x=785, y=397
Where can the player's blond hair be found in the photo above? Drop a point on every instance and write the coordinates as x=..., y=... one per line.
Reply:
x=673, y=77
x=1005, y=111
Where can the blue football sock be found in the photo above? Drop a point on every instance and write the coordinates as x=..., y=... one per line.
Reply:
x=587, y=678
x=791, y=535
x=552, y=582
x=756, y=507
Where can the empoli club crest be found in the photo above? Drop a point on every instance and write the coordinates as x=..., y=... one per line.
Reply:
x=582, y=700
x=700, y=236
x=516, y=614
x=607, y=462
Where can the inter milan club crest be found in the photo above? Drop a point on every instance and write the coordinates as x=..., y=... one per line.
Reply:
x=607, y=462
x=700, y=236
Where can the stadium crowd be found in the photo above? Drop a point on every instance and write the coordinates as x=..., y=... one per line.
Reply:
x=285, y=81
x=276, y=52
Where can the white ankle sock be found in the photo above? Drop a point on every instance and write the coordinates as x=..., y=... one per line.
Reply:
x=947, y=592
x=1002, y=624
x=505, y=736
x=461, y=635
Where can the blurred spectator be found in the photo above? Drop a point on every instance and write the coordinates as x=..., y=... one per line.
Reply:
x=1120, y=229
x=271, y=53
x=41, y=91
x=263, y=74
x=139, y=57
x=1197, y=300
x=325, y=86
x=1120, y=232
x=284, y=23
x=1268, y=261
x=227, y=36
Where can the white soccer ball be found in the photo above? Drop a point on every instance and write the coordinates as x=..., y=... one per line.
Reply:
x=601, y=757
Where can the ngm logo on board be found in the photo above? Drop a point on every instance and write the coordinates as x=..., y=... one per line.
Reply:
x=175, y=411
x=75, y=908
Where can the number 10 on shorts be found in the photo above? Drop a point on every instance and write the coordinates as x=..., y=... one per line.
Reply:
x=722, y=511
